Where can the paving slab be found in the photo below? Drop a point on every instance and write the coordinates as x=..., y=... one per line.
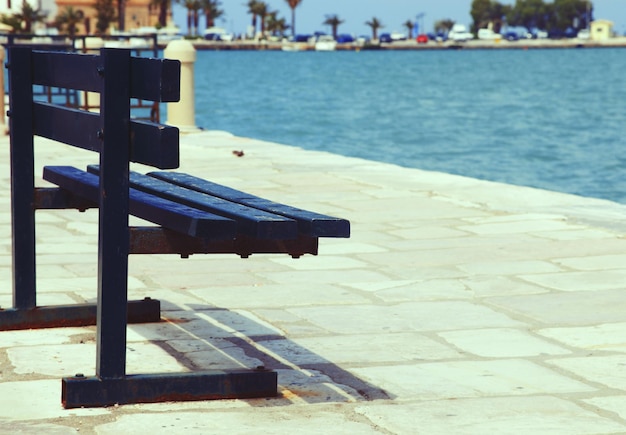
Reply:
x=512, y=415
x=250, y=421
x=455, y=379
x=501, y=343
x=457, y=306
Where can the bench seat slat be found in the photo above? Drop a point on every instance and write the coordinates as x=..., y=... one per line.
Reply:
x=161, y=211
x=251, y=221
x=72, y=71
x=151, y=144
x=309, y=223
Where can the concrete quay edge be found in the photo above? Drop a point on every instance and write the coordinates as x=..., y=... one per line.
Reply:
x=457, y=306
x=412, y=45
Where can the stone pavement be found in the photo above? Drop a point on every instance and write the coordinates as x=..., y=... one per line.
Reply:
x=457, y=306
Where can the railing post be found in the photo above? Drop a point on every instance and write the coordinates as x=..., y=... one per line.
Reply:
x=182, y=114
x=3, y=126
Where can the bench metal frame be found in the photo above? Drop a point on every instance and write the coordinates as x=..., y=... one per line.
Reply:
x=118, y=77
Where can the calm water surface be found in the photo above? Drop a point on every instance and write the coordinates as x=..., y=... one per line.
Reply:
x=554, y=119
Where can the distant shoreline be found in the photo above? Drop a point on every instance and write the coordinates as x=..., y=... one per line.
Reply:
x=524, y=44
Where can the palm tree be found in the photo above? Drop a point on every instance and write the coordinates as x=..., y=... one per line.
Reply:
x=211, y=11
x=375, y=24
x=333, y=21
x=409, y=26
x=262, y=12
x=121, y=15
x=254, y=7
x=164, y=7
x=193, y=16
x=443, y=26
x=68, y=18
x=276, y=26
x=13, y=21
x=28, y=16
x=105, y=15
x=293, y=4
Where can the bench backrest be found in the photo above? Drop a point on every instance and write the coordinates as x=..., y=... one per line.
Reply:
x=118, y=139
x=117, y=77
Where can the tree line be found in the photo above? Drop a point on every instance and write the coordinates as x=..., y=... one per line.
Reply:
x=558, y=15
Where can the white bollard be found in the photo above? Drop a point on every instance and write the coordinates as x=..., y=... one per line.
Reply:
x=182, y=114
x=90, y=100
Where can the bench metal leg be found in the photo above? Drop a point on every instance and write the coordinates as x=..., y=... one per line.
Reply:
x=94, y=391
x=113, y=217
x=22, y=185
x=56, y=316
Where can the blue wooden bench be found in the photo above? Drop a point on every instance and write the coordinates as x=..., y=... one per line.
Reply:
x=192, y=216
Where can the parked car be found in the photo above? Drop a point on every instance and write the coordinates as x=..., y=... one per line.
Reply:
x=511, y=36
x=345, y=39
x=438, y=37
x=558, y=34
x=385, y=37
x=583, y=34
x=488, y=34
x=397, y=36
x=459, y=33
x=422, y=39
x=363, y=40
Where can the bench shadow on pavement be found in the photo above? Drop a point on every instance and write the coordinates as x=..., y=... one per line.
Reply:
x=205, y=337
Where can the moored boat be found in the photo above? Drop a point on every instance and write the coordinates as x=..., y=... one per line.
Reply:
x=293, y=46
x=325, y=43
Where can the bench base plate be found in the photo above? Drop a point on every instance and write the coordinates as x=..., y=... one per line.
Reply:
x=56, y=316
x=94, y=391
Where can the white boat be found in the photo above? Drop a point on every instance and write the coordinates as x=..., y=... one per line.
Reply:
x=459, y=33
x=134, y=43
x=325, y=43
x=218, y=34
x=293, y=46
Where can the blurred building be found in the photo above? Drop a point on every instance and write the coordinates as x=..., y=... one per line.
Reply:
x=138, y=13
x=601, y=29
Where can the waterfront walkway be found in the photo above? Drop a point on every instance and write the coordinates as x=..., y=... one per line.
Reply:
x=458, y=306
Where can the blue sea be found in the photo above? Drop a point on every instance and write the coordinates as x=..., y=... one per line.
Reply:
x=553, y=119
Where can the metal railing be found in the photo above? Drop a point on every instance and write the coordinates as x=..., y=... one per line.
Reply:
x=139, y=44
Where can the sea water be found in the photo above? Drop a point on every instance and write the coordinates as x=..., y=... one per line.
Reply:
x=553, y=119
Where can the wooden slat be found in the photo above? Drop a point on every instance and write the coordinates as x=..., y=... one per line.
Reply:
x=155, y=79
x=86, y=72
x=82, y=127
x=161, y=211
x=152, y=144
x=309, y=223
x=66, y=70
x=47, y=198
x=156, y=240
x=250, y=221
